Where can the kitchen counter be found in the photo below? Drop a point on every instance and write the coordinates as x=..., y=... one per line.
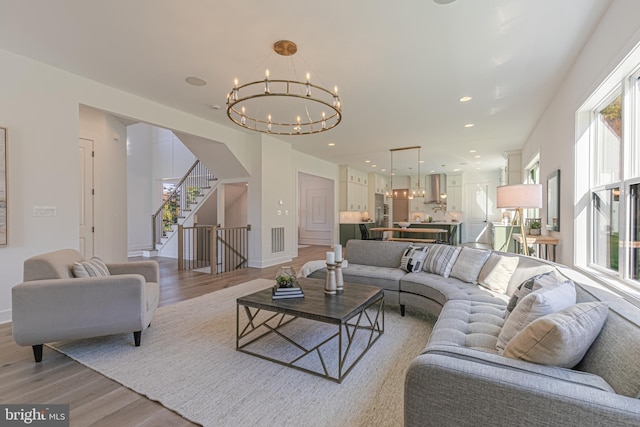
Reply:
x=454, y=229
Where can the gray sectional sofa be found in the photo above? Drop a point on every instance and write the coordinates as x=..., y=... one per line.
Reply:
x=461, y=378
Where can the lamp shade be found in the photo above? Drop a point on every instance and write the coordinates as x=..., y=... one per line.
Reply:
x=519, y=196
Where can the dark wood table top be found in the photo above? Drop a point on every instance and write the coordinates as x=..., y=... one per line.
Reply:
x=316, y=305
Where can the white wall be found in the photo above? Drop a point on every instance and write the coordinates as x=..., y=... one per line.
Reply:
x=555, y=133
x=140, y=188
x=40, y=108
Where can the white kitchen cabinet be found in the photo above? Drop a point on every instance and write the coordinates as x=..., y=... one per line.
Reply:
x=454, y=192
x=354, y=189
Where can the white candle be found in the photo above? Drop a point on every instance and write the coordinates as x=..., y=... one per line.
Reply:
x=338, y=251
x=331, y=257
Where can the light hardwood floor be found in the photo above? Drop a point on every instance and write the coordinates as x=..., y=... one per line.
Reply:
x=94, y=399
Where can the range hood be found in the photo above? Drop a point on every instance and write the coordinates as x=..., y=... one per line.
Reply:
x=434, y=184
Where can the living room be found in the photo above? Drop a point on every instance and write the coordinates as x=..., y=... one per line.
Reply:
x=41, y=110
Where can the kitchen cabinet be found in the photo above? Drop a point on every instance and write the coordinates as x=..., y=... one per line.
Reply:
x=454, y=193
x=351, y=231
x=354, y=190
x=380, y=183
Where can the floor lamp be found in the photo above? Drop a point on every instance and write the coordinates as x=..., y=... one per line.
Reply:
x=517, y=197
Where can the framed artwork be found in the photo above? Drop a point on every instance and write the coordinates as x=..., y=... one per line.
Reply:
x=553, y=201
x=3, y=186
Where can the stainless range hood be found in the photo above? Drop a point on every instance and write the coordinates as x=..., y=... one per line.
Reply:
x=434, y=184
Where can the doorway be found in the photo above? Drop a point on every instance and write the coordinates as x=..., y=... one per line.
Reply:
x=478, y=216
x=85, y=159
x=316, y=210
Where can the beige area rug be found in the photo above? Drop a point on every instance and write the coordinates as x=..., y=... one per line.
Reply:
x=189, y=364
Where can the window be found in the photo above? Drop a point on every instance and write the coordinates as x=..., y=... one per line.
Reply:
x=634, y=228
x=606, y=233
x=607, y=199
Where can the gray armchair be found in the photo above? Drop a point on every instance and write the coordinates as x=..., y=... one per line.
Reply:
x=52, y=305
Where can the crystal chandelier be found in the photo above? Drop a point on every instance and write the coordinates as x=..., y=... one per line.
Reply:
x=284, y=107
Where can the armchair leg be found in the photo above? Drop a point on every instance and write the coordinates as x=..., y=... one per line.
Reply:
x=136, y=337
x=402, y=308
x=37, y=352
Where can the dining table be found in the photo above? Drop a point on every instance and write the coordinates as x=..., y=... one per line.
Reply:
x=403, y=234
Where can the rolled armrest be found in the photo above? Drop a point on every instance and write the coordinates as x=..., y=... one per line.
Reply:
x=148, y=269
x=443, y=389
x=58, y=309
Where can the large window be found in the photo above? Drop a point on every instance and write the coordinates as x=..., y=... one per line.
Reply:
x=609, y=130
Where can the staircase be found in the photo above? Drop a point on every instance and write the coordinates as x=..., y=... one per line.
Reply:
x=194, y=186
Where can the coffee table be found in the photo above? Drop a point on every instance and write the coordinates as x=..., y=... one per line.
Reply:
x=357, y=313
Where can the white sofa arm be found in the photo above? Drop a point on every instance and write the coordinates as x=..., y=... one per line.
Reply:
x=59, y=309
x=148, y=269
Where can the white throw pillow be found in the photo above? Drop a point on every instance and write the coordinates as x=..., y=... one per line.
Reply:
x=413, y=258
x=469, y=263
x=94, y=267
x=535, y=305
x=562, y=338
x=497, y=272
x=441, y=258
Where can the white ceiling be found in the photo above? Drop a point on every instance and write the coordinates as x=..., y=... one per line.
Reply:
x=400, y=67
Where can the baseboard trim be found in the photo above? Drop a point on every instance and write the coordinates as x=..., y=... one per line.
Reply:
x=5, y=316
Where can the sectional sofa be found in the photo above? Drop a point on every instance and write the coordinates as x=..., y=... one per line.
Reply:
x=568, y=352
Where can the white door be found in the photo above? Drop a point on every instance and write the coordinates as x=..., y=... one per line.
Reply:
x=477, y=226
x=316, y=216
x=86, y=197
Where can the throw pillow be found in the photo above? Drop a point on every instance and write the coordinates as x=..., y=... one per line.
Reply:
x=94, y=267
x=560, y=339
x=533, y=306
x=413, y=258
x=497, y=272
x=545, y=280
x=469, y=263
x=441, y=258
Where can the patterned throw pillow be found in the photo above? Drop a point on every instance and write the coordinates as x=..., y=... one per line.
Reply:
x=545, y=280
x=413, y=258
x=441, y=258
x=94, y=267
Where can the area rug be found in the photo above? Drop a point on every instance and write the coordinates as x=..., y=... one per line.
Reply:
x=188, y=363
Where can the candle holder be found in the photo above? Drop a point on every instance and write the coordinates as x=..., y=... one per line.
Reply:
x=330, y=282
x=339, y=278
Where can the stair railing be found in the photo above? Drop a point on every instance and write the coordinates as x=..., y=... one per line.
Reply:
x=222, y=249
x=179, y=202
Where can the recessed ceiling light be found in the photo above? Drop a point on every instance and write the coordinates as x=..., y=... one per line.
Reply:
x=443, y=1
x=472, y=151
x=383, y=170
x=469, y=125
x=466, y=99
x=478, y=156
x=432, y=171
x=457, y=170
x=374, y=166
x=195, y=81
x=331, y=144
x=421, y=161
x=367, y=161
x=215, y=107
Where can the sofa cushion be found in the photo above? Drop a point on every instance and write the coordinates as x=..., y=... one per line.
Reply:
x=497, y=272
x=441, y=290
x=562, y=338
x=468, y=324
x=535, y=305
x=469, y=263
x=383, y=277
x=544, y=280
x=93, y=267
x=413, y=258
x=375, y=252
x=440, y=259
